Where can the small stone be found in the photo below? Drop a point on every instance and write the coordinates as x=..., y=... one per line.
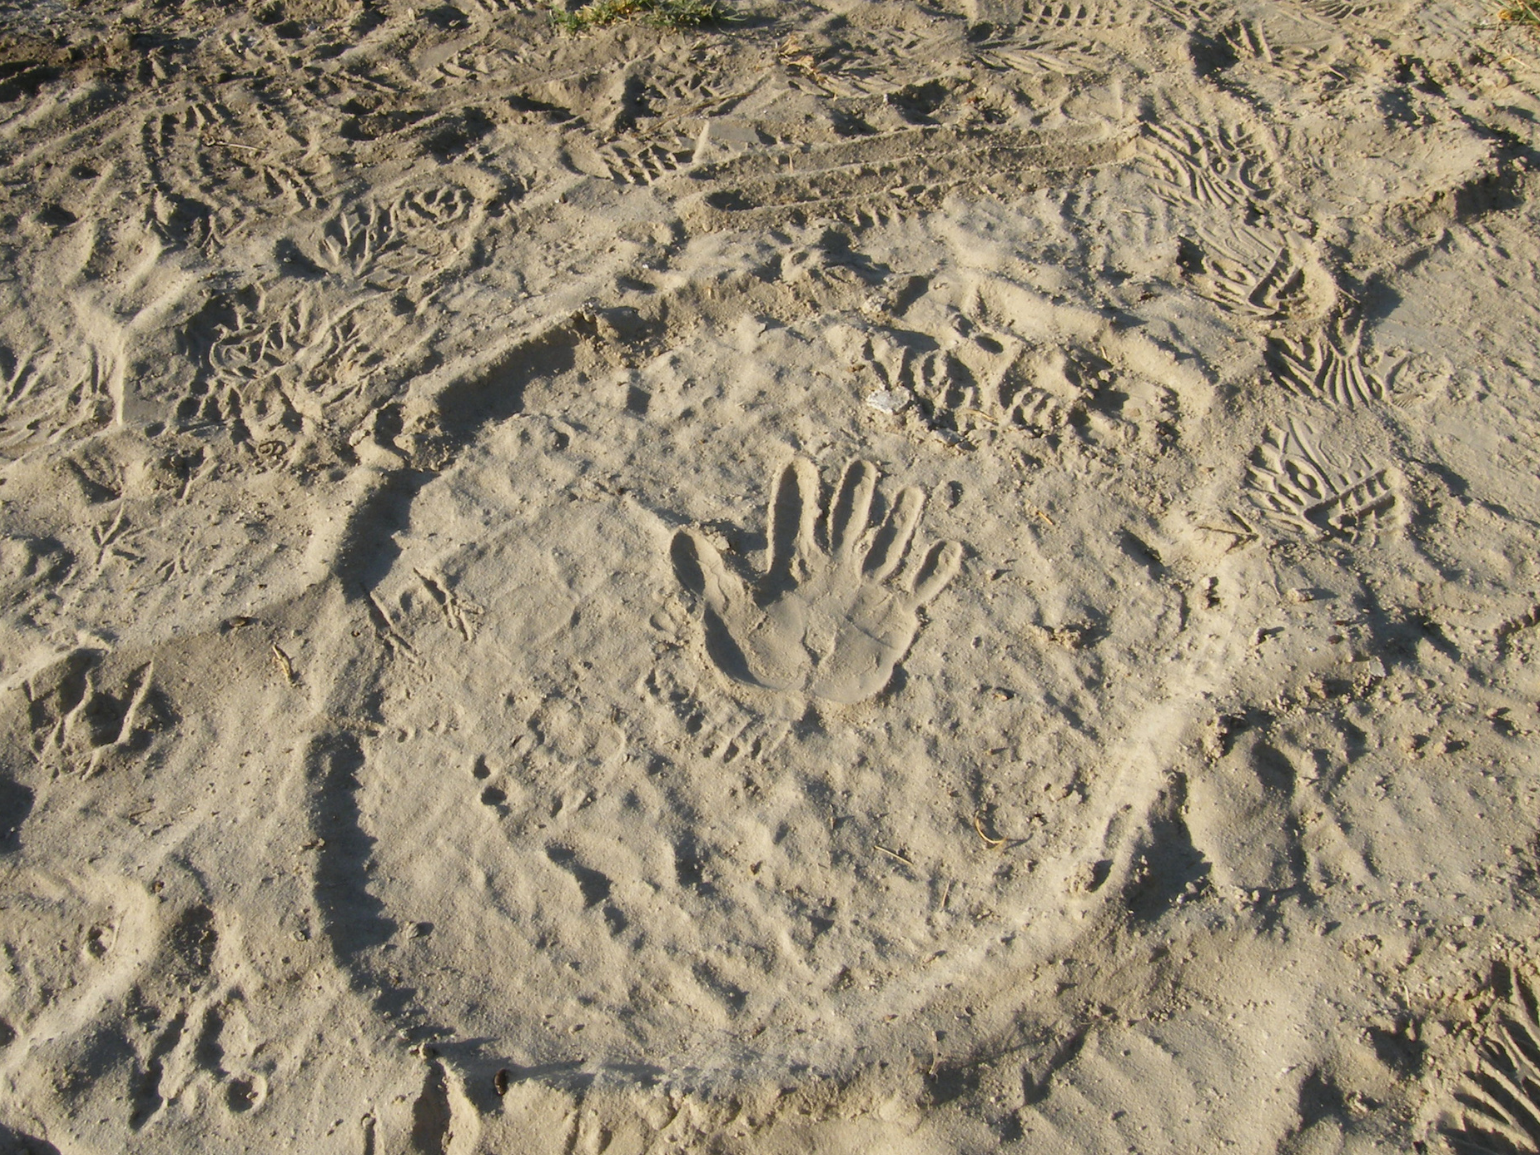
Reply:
x=886, y=401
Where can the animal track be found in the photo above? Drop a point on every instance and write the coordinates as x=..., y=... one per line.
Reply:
x=823, y=619
x=435, y=208
x=1046, y=387
x=722, y=732
x=19, y=371
x=1326, y=368
x=48, y=394
x=194, y=1031
x=1501, y=1097
x=356, y=238
x=143, y=967
x=73, y=719
x=409, y=237
x=459, y=615
x=248, y=357
x=593, y=885
x=962, y=373
x=269, y=365
x=1306, y=488
x=31, y=570
x=969, y=378
x=555, y=764
x=1505, y=631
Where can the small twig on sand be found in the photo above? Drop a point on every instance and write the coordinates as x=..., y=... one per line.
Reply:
x=285, y=665
x=223, y=143
x=992, y=843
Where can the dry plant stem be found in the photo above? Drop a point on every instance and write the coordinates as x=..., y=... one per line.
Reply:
x=1524, y=12
x=675, y=14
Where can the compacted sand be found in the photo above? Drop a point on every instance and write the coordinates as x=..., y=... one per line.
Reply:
x=894, y=577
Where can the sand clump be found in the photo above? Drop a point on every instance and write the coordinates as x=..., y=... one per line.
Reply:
x=871, y=577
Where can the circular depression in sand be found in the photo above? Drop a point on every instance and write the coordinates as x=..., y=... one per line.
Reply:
x=597, y=849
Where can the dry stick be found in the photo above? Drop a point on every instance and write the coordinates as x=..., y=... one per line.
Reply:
x=892, y=854
x=285, y=665
x=1243, y=536
x=978, y=827
x=222, y=143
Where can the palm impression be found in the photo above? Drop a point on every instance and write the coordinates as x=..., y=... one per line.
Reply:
x=837, y=608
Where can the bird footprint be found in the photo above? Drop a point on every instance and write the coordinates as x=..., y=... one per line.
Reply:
x=828, y=619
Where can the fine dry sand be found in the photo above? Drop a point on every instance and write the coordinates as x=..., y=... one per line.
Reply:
x=886, y=577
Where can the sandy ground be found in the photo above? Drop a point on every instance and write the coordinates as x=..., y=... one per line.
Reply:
x=886, y=577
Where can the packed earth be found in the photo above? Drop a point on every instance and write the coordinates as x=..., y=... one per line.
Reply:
x=837, y=577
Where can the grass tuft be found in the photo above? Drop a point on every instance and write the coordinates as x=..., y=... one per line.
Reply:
x=1521, y=12
x=676, y=14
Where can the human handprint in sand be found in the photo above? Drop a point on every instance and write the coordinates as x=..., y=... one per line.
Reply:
x=832, y=614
